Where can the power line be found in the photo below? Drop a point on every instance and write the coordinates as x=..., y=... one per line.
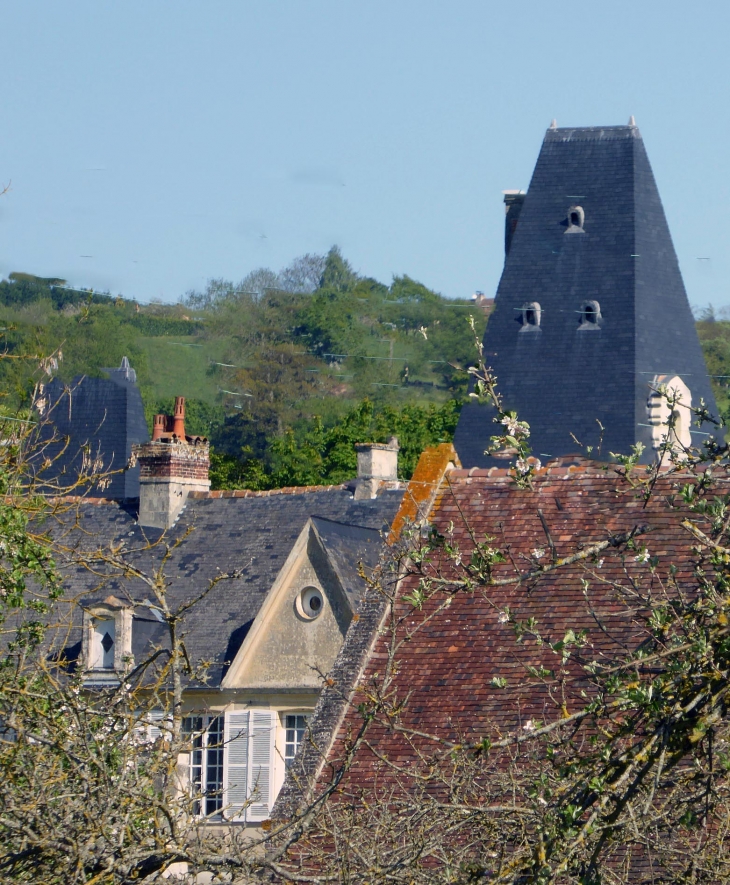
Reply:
x=234, y=392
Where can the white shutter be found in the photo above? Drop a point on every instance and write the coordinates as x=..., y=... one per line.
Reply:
x=263, y=733
x=235, y=765
x=154, y=730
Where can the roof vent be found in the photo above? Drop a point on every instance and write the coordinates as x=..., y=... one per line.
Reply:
x=531, y=317
x=590, y=315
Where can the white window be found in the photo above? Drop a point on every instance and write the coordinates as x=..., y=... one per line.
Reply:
x=231, y=764
x=295, y=725
x=206, y=763
x=107, y=639
x=103, y=637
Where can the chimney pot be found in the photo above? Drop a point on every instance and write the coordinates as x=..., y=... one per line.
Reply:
x=170, y=469
x=513, y=202
x=158, y=427
x=178, y=427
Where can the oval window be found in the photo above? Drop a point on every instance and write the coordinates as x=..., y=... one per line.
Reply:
x=310, y=603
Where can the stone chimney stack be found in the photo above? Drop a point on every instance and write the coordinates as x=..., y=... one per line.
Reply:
x=377, y=467
x=171, y=465
x=513, y=203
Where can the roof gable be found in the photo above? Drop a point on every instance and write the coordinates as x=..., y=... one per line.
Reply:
x=287, y=645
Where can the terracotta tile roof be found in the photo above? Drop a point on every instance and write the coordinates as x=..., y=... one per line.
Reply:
x=249, y=493
x=451, y=666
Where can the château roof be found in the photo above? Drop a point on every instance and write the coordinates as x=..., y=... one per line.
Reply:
x=580, y=383
x=97, y=418
x=249, y=536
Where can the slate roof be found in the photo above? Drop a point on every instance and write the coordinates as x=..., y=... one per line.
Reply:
x=447, y=665
x=347, y=547
x=564, y=379
x=103, y=415
x=250, y=534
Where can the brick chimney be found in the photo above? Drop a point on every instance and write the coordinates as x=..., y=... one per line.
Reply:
x=377, y=467
x=171, y=465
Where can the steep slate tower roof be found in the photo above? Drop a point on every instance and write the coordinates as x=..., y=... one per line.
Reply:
x=105, y=415
x=591, y=311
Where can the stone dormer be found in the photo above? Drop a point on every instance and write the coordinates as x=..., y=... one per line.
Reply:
x=171, y=465
x=107, y=639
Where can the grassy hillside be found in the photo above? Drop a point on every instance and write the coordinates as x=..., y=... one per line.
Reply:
x=257, y=360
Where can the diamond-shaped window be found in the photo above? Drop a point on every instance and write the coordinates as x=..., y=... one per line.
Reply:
x=107, y=642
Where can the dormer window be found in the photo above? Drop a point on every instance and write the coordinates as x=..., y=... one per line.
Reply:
x=531, y=317
x=102, y=644
x=670, y=417
x=107, y=638
x=576, y=219
x=590, y=315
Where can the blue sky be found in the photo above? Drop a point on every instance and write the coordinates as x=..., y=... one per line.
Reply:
x=153, y=145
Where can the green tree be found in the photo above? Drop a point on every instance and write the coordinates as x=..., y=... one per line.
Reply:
x=338, y=274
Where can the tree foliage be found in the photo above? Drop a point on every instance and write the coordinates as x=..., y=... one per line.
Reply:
x=313, y=454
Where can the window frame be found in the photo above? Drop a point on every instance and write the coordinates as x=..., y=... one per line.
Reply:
x=206, y=757
x=298, y=736
x=120, y=614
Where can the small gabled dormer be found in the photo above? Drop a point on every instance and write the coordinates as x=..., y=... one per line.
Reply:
x=107, y=639
x=590, y=316
x=576, y=220
x=530, y=317
x=669, y=408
